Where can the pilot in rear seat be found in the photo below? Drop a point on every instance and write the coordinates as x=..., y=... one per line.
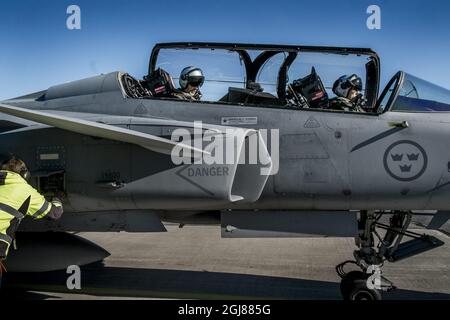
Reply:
x=348, y=94
x=191, y=79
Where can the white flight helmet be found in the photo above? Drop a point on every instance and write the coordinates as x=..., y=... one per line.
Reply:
x=343, y=85
x=191, y=75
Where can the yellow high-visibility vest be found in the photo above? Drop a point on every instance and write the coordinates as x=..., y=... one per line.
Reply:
x=17, y=200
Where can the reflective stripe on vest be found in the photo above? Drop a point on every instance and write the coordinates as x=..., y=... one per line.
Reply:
x=10, y=210
x=6, y=238
x=5, y=243
x=41, y=210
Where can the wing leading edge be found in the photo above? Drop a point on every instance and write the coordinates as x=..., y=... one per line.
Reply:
x=99, y=130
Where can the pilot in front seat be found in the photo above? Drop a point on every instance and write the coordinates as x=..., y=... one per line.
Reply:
x=191, y=79
x=348, y=94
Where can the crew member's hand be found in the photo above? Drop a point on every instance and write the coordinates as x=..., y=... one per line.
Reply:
x=56, y=210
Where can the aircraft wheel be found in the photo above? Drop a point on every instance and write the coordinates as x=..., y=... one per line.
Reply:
x=361, y=292
x=353, y=287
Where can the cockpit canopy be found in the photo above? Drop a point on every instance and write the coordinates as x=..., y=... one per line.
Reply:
x=260, y=74
x=407, y=93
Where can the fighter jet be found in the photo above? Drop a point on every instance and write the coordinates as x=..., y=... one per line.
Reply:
x=262, y=154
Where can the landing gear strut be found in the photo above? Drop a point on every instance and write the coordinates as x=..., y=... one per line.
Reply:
x=368, y=284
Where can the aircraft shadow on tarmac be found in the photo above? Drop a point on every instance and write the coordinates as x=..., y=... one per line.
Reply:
x=157, y=283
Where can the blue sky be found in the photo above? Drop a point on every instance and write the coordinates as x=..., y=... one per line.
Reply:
x=37, y=50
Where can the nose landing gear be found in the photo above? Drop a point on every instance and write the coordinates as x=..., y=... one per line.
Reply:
x=354, y=287
x=359, y=285
x=369, y=283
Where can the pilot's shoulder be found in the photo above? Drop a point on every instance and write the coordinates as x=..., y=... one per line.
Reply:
x=180, y=94
x=340, y=100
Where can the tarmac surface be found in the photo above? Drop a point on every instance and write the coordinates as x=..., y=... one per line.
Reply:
x=194, y=262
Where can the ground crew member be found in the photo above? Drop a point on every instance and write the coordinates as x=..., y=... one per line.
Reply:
x=17, y=200
x=191, y=79
x=348, y=94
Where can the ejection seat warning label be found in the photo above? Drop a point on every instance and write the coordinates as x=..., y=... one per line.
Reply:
x=239, y=120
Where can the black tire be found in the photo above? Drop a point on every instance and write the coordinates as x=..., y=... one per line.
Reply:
x=361, y=292
x=347, y=283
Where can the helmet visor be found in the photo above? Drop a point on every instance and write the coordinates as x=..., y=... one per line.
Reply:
x=196, y=81
x=353, y=82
